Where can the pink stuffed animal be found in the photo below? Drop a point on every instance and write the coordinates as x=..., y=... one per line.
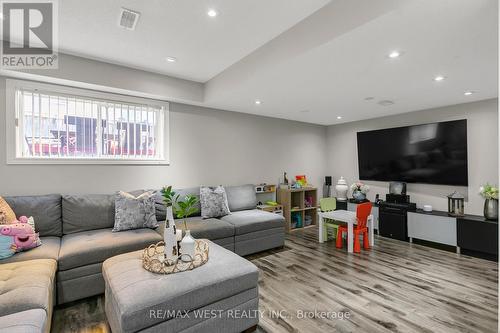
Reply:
x=24, y=235
x=23, y=219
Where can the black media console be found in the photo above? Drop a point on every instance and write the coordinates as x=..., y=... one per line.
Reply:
x=477, y=234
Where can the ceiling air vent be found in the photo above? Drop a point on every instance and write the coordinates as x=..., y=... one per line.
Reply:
x=128, y=18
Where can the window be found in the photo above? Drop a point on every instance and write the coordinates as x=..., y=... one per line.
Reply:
x=55, y=124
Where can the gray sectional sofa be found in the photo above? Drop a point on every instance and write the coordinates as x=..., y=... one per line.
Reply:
x=76, y=239
x=245, y=231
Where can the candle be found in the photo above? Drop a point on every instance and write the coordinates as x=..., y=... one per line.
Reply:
x=178, y=234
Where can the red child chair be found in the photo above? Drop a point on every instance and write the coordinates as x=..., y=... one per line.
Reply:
x=362, y=212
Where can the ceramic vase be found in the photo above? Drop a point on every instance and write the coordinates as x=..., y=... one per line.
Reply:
x=341, y=189
x=187, y=245
x=491, y=209
x=359, y=196
x=169, y=237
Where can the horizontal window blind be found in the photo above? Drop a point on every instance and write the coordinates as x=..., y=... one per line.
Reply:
x=59, y=126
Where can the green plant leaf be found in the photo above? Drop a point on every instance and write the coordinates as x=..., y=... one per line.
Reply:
x=186, y=207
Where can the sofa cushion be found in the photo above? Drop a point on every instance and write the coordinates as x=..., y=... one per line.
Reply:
x=133, y=291
x=253, y=220
x=207, y=228
x=241, y=197
x=48, y=250
x=87, y=212
x=27, y=285
x=161, y=210
x=30, y=321
x=203, y=228
x=45, y=209
x=95, y=246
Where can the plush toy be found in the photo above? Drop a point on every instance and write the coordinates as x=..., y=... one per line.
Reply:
x=23, y=219
x=23, y=234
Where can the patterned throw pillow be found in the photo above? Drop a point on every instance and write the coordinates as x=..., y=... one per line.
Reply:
x=7, y=246
x=135, y=212
x=7, y=215
x=213, y=202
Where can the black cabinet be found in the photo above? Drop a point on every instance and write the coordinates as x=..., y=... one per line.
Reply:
x=477, y=234
x=341, y=205
x=392, y=224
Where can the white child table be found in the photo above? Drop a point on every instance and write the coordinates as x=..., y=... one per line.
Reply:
x=349, y=218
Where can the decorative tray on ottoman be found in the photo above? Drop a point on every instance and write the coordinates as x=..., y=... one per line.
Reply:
x=153, y=259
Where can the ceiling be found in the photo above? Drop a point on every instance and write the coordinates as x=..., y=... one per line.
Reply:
x=311, y=61
x=203, y=46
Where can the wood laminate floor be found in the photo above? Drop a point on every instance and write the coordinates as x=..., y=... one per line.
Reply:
x=394, y=287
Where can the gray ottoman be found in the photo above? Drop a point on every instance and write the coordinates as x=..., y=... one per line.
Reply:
x=220, y=296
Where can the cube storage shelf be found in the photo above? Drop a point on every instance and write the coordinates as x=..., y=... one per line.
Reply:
x=297, y=213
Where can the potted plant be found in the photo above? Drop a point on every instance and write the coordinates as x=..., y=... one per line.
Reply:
x=490, y=194
x=359, y=191
x=184, y=209
x=169, y=196
x=170, y=233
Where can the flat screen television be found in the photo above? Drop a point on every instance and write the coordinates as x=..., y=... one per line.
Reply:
x=430, y=153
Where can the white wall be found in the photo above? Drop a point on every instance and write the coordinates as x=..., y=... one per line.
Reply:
x=207, y=147
x=482, y=132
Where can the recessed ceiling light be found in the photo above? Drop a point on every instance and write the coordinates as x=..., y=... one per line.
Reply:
x=394, y=54
x=386, y=102
x=439, y=78
x=212, y=13
x=339, y=117
x=468, y=93
x=171, y=59
x=258, y=102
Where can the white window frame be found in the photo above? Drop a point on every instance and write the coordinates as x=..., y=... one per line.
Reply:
x=14, y=145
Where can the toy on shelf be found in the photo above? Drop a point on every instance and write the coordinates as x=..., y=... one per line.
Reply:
x=308, y=202
x=301, y=179
x=296, y=220
x=265, y=188
x=308, y=220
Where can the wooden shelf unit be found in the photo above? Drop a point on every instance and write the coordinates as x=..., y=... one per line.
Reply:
x=293, y=202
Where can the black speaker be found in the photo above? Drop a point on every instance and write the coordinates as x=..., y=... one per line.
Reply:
x=397, y=198
x=328, y=180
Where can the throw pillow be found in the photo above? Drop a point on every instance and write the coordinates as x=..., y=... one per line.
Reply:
x=7, y=215
x=135, y=212
x=7, y=246
x=213, y=202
